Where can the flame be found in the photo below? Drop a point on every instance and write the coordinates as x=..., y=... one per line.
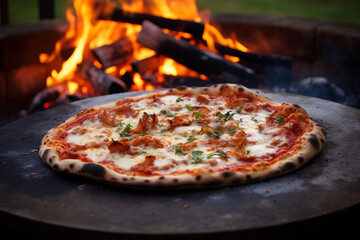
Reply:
x=168, y=67
x=72, y=87
x=86, y=32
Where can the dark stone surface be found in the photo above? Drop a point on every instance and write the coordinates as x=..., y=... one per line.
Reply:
x=320, y=198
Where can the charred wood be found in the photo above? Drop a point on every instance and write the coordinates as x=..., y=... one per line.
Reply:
x=256, y=58
x=147, y=64
x=213, y=66
x=177, y=81
x=194, y=28
x=101, y=81
x=114, y=54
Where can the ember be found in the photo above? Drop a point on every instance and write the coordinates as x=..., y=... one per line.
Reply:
x=115, y=48
x=140, y=45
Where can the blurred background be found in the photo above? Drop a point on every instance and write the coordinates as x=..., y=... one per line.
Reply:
x=348, y=11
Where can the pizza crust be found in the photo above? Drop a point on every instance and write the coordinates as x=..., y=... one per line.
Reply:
x=306, y=148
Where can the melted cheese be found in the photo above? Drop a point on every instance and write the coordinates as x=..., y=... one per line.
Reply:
x=259, y=143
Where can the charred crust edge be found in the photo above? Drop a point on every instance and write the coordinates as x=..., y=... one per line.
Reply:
x=288, y=166
x=94, y=169
x=314, y=140
x=45, y=154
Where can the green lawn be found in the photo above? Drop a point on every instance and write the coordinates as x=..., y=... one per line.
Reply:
x=334, y=10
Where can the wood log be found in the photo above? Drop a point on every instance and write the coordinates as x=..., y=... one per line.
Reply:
x=115, y=54
x=177, y=81
x=101, y=81
x=194, y=28
x=213, y=66
x=256, y=58
x=148, y=64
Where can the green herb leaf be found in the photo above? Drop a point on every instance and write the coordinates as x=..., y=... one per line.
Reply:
x=178, y=150
x=232, y=130
x=213, y=133
x=225, y=116
x=179, y=99
x=197, y=156
x=197, y=115
x=220, y=153
x=215, y=120
x=240, y=120
x=162, y=131
x=144, y=133
x=190, y=107
x=255, y=120
x=141, y=152
x=247, y=152
x=168, y=113
x=280, y=118
x=190, y=139
x=124, y=132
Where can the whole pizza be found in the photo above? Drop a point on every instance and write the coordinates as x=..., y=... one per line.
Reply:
x=187, y=137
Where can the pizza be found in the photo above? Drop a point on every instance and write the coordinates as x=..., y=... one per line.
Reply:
x=190, y=137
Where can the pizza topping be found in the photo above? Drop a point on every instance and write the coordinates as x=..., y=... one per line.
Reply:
x=126, y=130
x=197, y=156
x=176, y=133
x=121, y=146
x=147, y=122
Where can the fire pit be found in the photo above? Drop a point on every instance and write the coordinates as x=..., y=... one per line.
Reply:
x=309, y=57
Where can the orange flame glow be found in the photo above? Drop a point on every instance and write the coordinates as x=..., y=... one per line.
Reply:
x=86, y=32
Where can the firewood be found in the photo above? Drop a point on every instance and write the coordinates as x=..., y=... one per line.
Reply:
x=213, y=66
x=115, y=54
x=148, y=64
x=177, y=81
x=194, y=28
x=101, y=81
x=256, y=58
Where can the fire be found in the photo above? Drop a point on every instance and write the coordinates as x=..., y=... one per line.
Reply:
x=86, y=32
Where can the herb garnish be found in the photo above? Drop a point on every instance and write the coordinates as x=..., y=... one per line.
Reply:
x=213, y=133
x=197, y=115
x=179, y=99
x=190, y=107
x=225, y=116
x=144, y=133
x=220, y=153
x=197, y=156
x=178, y=150
x=124, y=132
x=280, y=118
x=162, y=131
x=254, y=119
x=168, y=113
x=215, y=120
x=190, y=139
x=232, y=130
x=247, y=152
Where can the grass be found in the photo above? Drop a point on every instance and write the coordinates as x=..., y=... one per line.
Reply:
x=333, y=10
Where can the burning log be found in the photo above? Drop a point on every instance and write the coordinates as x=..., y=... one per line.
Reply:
x=114, y=54
x=213, y=66
x=148, y=64
x=256, y=58
x=51, y=97
x=177, y=81
x=194, y=28
x=101, y=81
